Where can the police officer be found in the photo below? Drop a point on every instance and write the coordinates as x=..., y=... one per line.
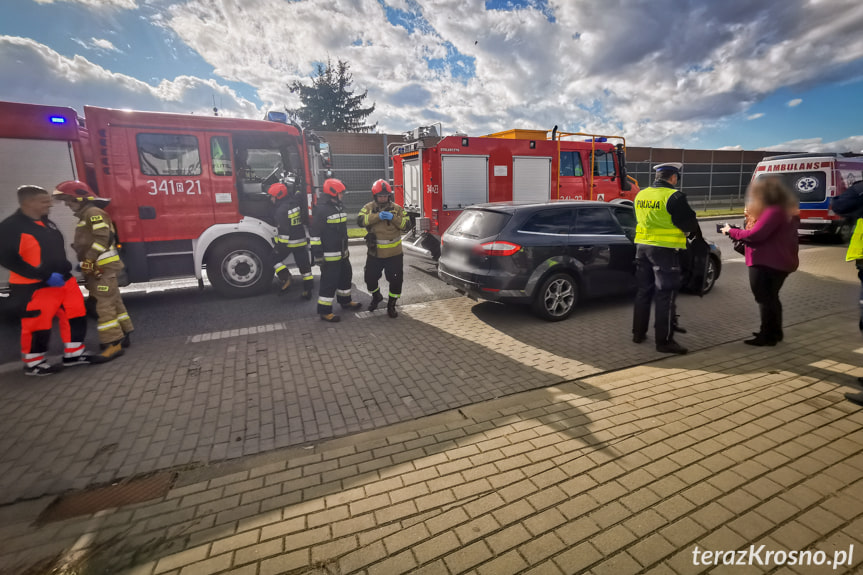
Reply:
x=850, y=205
x=384, y=221
x=96, y=245
x=32, y=249
x=292, y=217
x=329, y=242
x=665, y=219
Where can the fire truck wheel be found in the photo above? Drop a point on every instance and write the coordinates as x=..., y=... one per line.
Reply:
x=556, y=298
x=239, y=267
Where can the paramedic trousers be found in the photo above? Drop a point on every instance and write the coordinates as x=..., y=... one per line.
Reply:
x=392, y=268
x=657, y=274
x=335, y=283
x=113, y=321
x=43, y=304
x=301, y=258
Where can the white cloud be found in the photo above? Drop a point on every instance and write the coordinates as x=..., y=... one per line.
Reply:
x=794, y=103
x=46, y=77
x=852, y=144
x=96, y=4
x=97, y=44
x=755, y=116
x=736, y=148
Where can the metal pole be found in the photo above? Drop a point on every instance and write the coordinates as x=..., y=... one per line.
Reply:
x=710, y=184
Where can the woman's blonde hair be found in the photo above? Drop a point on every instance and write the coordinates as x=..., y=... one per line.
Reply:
x=772, y=192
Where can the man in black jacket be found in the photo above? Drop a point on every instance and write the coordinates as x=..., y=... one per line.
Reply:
x=850, y=205
x=292, y=217
x=329, y=239
x=41, y=282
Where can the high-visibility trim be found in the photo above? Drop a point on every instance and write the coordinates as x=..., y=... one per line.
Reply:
x=81, y=224
x=325, y=301
x=103, y=288
x=103, y=257
x=376, y=290
x=100, y=226
x=337, y=221
x=280, y=267
x=315, y=241
x=293, y=210
x=109, y=260
x=338, y=216
x=73, y=349
x=34, y=355
x=123, y=317
x=383, y=244
x=95, y=218
x=343, y=292
x=33, y=362
x=308, y=277
x=333, y=256
x=297, y=243
x=108, y=325
x=395, y=295
x=98, y=247
x=281, y=239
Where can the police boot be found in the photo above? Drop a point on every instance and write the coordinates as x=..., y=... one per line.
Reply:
x=671, y=346
x=111, y=350
x=377, y=298
x=391, y=308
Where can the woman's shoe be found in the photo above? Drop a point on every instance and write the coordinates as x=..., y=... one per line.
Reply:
x=758, y=334
x=760, y=342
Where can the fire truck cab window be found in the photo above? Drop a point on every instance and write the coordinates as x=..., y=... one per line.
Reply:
x=255, y=165
x=570, y=164
x=603, y=164
x=220, y=152
x=168, y=155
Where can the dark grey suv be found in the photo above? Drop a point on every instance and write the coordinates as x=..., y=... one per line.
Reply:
x=549, y=255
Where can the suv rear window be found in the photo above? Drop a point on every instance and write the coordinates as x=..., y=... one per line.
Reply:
x=478, y=224
x=596, y=221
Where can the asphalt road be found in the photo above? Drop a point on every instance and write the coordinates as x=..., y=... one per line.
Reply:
x=179, y=308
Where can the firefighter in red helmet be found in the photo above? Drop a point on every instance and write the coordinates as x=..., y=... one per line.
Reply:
x=96, y=245
x=40, y=278
x=384, y=221
x=292, y=217
x=329, y=241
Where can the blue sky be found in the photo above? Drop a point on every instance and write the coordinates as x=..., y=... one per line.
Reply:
x=722, y=77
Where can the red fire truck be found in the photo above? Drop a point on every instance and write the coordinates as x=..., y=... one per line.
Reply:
x=435, y=179
x=816, y=179
x=187, y=192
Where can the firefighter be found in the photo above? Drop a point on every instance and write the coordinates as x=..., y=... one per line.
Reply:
x=40, y=278
x=329, y=241
x=665, y=219
x=384, y=221
x=292, y=217
x=850, y=205
x=96, y=245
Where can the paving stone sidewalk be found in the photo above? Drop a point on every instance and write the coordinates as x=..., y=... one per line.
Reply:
x=622, y=473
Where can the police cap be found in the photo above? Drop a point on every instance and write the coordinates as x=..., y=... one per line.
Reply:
x=673, y=167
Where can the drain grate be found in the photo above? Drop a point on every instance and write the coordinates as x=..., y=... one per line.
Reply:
x=91, y=500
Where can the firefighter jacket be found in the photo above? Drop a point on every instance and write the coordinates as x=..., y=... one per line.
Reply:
x=329, y=233
x=32, y=249
x=95, y=237
x=292, y=217
x=386, y=235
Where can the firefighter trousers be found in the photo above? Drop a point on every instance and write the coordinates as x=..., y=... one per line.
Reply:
x=41, y=306
x=392, y=268
x=657, y=274
x=301, y=258
x=335, y=284
x=113, y=321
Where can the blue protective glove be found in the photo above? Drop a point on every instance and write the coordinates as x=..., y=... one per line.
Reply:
x=56, y=280
x=386, y=215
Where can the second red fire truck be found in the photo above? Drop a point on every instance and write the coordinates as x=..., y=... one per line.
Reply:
x=187, y=191
x=435, y=179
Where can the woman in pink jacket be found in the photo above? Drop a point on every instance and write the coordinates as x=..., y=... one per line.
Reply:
x=771, y=251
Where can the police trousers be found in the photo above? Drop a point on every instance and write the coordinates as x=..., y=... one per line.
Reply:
x=657, y=274
x=335, y=284
x=392, y=268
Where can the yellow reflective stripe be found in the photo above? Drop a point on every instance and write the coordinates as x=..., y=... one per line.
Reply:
x=102, y=288
x=395, y=295
x=108, y=325
x=297, y=243
x=98, y=247
x=333, y=258
x=81, y=224
x=315, y=241
x=100, y=226
x=337, y=221
x=325, y=301
x=390, y=245
x=308, y=277
x=95, y=218
x=280, y=267
x=108, y=260
x=122, y=316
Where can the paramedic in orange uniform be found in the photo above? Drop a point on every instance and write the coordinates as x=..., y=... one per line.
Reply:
x=32, y=249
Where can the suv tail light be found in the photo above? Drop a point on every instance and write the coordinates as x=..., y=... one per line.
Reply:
x=497, y=249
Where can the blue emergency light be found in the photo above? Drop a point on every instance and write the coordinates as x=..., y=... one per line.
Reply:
x=279, y=117
x=596, y=140
x=58, y=120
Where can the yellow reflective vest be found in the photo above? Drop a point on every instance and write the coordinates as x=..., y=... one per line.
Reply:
x=855, y=246
x=654, y=222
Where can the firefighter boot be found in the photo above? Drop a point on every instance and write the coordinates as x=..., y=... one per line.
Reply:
x=126, y=342
x=111, y=350
x=307, y=294
x=352, y=306
x=331, y=318
x=284, y=277
x=377, y=298
x=391, y=308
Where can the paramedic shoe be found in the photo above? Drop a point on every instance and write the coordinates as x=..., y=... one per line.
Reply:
x=377, y=298
x=391, y=308
x=306, y=294
x=636, y=338
x=671, y=346
x=83, y=359
x=352, y=306
x=41, y=369
x=331, y=317
x=111, y=350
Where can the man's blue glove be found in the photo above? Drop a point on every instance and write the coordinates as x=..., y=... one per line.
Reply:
x=386, y=215
x=56, y=280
